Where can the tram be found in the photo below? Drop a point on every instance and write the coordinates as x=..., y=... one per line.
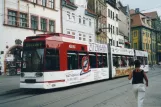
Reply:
x=54, y=61
x=122, y=61
x=58, y=60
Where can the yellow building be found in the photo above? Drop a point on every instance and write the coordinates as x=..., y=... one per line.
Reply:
x=143, y=37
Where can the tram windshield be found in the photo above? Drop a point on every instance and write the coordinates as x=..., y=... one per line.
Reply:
x=32, y=60
x=143, y=60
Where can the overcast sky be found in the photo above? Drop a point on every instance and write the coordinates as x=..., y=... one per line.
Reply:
x=148, y=5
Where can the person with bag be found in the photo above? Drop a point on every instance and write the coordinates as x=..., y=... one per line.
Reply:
x=138, y=75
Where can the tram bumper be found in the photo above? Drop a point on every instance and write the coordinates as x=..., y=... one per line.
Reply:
x=33, y=86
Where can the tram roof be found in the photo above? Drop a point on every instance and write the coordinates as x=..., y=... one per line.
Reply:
x=56, y=37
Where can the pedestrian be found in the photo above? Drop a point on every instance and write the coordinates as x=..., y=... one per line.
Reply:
x=137, y=77
x=152, y=66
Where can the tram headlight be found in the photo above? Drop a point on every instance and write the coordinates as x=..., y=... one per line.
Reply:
x=39, y=74
x=22, y=74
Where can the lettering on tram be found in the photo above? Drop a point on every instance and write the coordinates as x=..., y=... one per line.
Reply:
x=72, y=46
x=39, y=44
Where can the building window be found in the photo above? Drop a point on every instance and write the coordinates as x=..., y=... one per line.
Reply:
x=113, y=30
x=68, y=32
x=113, y=16
x=84, y=20
x=12, y=17
x=117, y=30
x=90, y=24
x=90, y=38
x=51, y=26
x=135, y=46
x=80, y=36
x=108, y=12
x=84, y=39
x=73, y=16
x=51, y=4
x=43, y=24
x=34, y=1
x=73, y=33
x=34, y=22
x=80, y=21
x=68, y=15
x=116, y=17
x=23, y=20
x=44, y=3
x=147, y=46
x=109, y=27
x=144, y=46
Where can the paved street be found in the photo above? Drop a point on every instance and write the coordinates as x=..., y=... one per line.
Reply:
x=112, y=93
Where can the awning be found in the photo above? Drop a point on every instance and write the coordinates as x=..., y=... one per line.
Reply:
x=128, y=43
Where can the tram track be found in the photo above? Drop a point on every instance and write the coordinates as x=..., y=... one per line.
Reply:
x=30, y=93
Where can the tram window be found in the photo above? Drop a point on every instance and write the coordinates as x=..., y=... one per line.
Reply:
x=131, y=61
x=105, y=64
x=116, y=61
x=81, y=55
x=100, y=60
x=72, y=60
x=145, y=60
x=92, y=60
x=124, y=61
x=52, y=60
x=141, y=59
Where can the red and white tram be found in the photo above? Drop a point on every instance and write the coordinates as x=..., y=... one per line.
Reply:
x=53, y=61
x=143, y=57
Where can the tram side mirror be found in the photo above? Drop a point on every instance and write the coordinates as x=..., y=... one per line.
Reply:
x=2, y=52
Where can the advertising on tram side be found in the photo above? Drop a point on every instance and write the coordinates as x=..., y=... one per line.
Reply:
x=122, y=61
x=93, y=64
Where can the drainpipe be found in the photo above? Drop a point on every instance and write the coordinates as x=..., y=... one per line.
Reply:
x=4, y=11
x=61, y=18
x=18, y=16
x=4, y=65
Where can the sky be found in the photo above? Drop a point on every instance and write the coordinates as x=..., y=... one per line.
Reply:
x=148, y=5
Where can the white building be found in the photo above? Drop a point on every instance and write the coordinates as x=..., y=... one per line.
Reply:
x=77, y=20
x=21, y=18
x=112, y=22
x=124, y=24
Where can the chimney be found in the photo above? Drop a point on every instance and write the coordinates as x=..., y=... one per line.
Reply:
x=137, y=10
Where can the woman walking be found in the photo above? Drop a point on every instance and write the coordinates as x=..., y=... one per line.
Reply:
x=137, y=77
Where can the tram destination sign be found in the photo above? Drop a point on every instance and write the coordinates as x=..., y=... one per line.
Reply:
x=35, y=44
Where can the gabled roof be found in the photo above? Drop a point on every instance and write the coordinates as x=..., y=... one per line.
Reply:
x=137, y=20
x=152, y=15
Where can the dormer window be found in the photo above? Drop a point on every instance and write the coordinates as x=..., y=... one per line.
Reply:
x=143, y=19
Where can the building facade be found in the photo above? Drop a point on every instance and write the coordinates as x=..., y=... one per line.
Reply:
x=22, y=18
x=156, y=25
x=142, y=33
x=124, y=25
x=100, y=9
x=112, y=22
x=78, y=20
